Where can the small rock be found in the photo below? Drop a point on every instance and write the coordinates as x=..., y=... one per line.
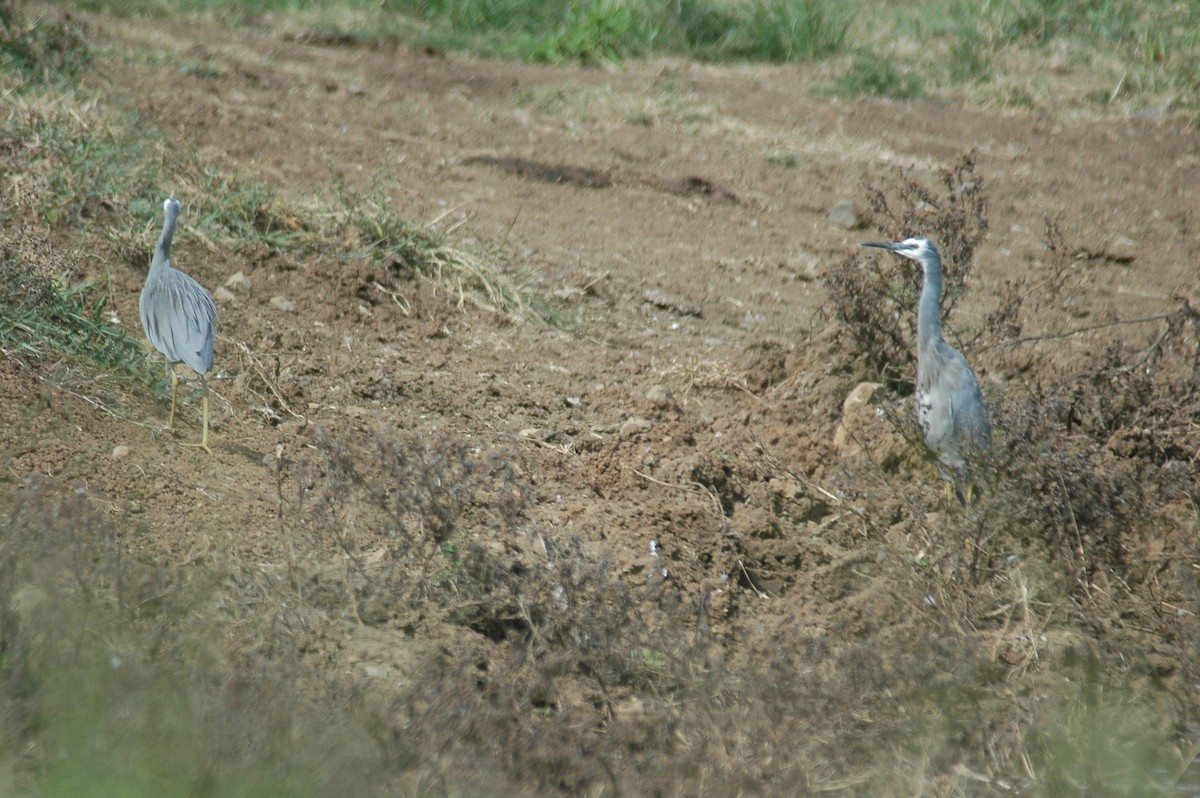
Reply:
x=374, y=671
x=238, y=283
x=862, y=395
x=855, y=417
x=1152, y=113
x=120, y=452
x=805, y=267
x=661, y=394
x=635, y=425
x=224, y=295
x=284, y=304
x=843, y=215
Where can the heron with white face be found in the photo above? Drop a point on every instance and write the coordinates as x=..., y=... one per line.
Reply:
x=179, y=317
x=950, y=406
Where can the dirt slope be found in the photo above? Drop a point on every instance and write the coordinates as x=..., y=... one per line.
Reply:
x=679, y=417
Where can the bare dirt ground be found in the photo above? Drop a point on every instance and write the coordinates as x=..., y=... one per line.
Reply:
x=677, y=419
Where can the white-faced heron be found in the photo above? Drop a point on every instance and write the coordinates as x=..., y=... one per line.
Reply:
x=950, y=407
x=179, y=316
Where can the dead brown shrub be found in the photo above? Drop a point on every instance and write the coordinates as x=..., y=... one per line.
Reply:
x=875, y=297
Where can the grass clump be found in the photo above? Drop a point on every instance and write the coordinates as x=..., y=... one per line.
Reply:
x=366, y=227
x=44, y=319
x=80, y=166
x=870, y=74
x=39, y=49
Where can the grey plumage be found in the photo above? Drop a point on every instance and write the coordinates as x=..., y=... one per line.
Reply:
x=178, y=315
x=950, y=406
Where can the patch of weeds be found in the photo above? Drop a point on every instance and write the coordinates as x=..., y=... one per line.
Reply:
x=400, y=512
x=79, y=160
x=123, y=678
x=876, y=300
x=1096, y=739
x=599, y=30
x=38, y=48
x=369, y=221
x=1048, y=493
x=704, y=25
x=968, y=61
x=875, y=75
x=1040, y=21
x=243, y=208
x=43, y=319
x=786, y=30
x=563, y=651
x=785, y=158
x=1086, y=463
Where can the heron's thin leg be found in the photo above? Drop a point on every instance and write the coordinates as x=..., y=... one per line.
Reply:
x=174, y=392
x=203, y=444
x=204, y=400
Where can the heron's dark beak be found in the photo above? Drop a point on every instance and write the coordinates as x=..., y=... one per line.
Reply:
x=880, y=245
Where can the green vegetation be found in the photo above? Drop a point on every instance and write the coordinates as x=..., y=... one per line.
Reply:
x=35, y=48
x=874, y=75
x=536, y=30
x=1128, y=51
x=43, y=319
x=131, y=683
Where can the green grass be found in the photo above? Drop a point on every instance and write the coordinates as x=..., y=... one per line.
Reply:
x=1146, y=51
x=871, y=74
x=38, y=48
x=536, y=30
x=1136, y=53
x=42, y=319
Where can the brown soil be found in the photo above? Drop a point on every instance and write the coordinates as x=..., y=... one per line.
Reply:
x=687, y=394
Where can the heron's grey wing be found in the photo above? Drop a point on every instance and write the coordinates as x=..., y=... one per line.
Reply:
x=950, y=406
x=970, y=421
x=179, y=317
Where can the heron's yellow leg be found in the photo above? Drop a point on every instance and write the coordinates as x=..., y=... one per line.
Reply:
x=174, y=392
x=203, y=444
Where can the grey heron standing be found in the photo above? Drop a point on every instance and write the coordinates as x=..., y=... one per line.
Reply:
x=950, y=406
x=179, y=316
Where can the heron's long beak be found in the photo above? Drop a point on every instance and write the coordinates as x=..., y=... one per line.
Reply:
x=880, y=245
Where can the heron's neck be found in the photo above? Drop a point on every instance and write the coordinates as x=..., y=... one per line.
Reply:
x=162, y=251
x=929, y=311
